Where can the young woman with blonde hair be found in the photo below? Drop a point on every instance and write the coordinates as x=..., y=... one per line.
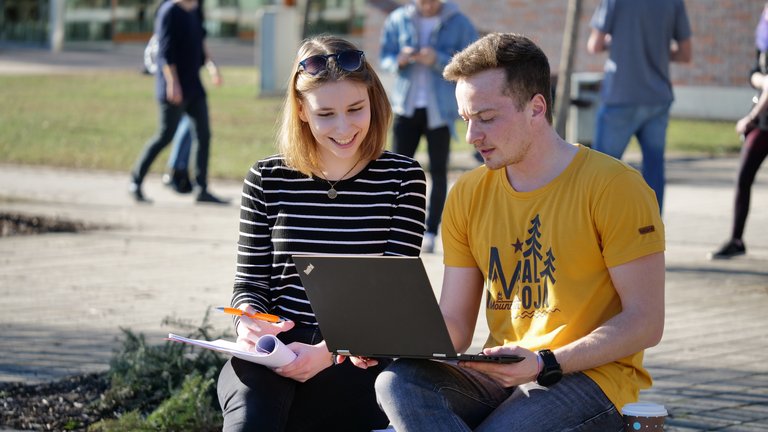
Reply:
x=332, y=189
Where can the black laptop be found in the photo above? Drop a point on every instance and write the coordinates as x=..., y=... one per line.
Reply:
x=379, y=306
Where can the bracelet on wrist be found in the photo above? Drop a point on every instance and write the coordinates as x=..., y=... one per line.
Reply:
x=539, y=364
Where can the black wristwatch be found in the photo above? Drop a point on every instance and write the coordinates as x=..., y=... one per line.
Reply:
x=551, y=372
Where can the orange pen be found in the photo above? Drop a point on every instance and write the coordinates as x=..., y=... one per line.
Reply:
x=256, y=315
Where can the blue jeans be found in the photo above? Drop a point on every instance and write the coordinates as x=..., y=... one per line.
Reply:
x=182, y=143
x=616, y=124
x=423, y=395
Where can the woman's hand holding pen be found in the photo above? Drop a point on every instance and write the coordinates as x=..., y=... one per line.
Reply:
x=249, y=330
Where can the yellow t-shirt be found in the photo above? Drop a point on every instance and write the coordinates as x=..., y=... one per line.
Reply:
x=545, y=254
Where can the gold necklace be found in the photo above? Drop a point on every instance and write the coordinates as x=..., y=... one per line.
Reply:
x=332, y=193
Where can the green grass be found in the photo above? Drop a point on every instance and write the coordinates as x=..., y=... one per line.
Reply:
x=708, y=137
x=704, y=137
x=102, y=121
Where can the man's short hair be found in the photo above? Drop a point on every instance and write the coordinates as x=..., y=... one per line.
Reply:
x=524, y=63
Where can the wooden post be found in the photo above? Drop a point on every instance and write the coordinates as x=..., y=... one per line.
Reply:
x=563, y=91
x=305, y=25
x=113, y=19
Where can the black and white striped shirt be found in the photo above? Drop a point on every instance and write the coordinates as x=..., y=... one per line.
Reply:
x=379, y=211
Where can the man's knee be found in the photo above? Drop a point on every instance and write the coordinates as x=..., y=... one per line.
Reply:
x=385, y=385
x=395, y=377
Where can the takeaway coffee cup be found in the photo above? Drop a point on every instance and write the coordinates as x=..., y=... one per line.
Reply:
x=644, y=416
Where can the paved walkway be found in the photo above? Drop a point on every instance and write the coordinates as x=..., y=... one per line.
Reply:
x=66, y=296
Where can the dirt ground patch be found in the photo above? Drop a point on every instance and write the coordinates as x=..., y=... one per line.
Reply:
x=12, y=224
x=66, y=404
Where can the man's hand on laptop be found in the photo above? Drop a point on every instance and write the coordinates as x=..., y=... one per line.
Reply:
x=361, y=362
x=511, y=374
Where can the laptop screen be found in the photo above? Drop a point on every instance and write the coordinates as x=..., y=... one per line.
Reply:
x=375, y=306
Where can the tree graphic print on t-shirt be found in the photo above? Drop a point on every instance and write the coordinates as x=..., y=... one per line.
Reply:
x=527, y=292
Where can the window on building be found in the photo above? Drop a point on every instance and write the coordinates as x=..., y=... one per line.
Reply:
x=24, y=20
x=88, y=20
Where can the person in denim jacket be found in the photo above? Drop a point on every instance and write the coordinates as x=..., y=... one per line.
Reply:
x=417, y=42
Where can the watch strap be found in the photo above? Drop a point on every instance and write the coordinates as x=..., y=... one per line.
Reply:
x=551, y=371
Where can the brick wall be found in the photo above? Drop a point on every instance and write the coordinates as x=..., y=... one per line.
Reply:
x=723, y=34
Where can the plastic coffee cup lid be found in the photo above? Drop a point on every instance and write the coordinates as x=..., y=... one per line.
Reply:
x=644, y=409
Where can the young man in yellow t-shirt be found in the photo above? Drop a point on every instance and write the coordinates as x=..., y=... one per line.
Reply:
x=567, y=244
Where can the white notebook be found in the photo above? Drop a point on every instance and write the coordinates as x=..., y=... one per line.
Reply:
x=270, y=351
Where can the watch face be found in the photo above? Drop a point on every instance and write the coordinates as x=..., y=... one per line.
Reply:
x=551, y=373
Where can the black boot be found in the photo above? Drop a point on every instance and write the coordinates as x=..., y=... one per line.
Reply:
x=178, y=180
x=134, y=188
x=206, y=197
x=731, y=248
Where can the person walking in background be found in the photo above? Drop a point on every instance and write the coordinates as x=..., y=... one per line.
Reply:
x=177, y=175
x=417, y=41
x=333, y=189
x=642, y=38
x=579, y=293
x=753, y=128
x=179, y=90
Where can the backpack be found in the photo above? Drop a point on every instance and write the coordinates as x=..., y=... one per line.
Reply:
x=150, y=54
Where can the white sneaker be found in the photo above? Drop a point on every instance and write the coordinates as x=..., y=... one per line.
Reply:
x=428, y=244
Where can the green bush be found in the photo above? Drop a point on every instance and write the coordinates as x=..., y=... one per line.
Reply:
x=128, y=422
x=189, y=409
x=168, y=387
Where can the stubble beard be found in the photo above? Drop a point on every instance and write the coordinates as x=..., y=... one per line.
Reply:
x=512, y=160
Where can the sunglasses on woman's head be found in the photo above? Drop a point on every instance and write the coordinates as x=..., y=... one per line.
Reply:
x=348, y=61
